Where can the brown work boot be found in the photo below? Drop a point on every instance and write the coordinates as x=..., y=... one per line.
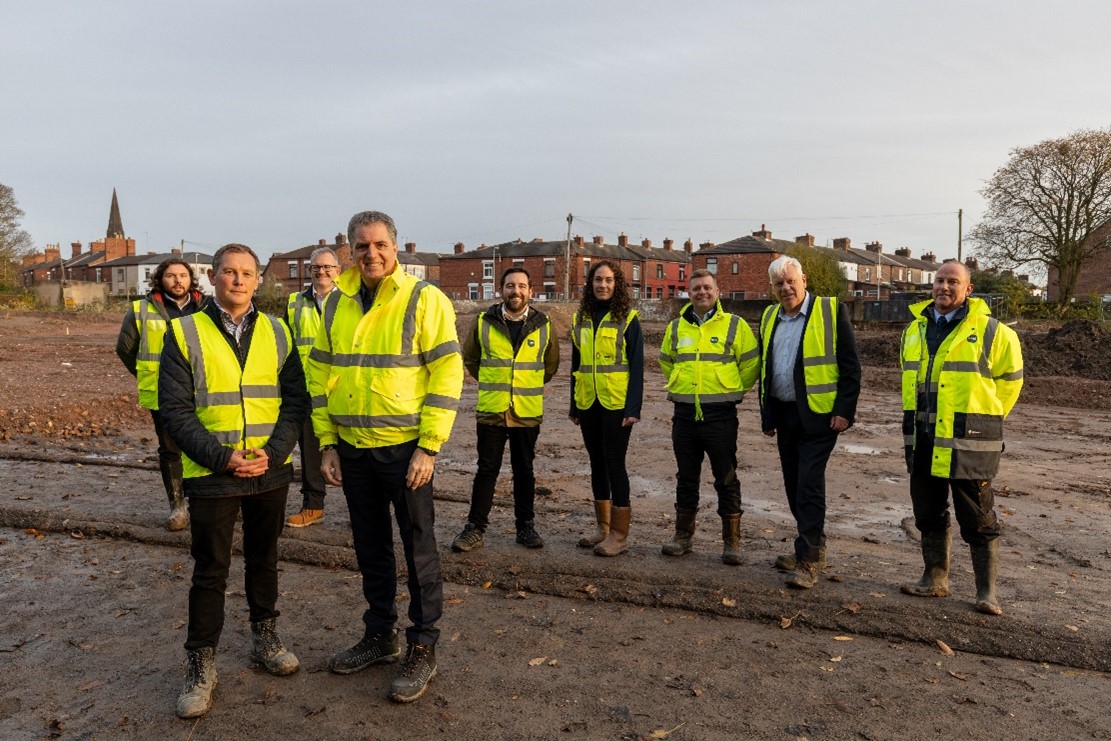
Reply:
x=787, y=561
x=602, y=508
x=805, y=575
x=936, y=548
x=200, y=681
x=617, y=542
x=179, y=511
x=684, y=533
x=985, y=563
x=305, y=517
x=731, y=538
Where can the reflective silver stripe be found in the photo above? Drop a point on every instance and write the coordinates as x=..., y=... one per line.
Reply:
x=441, y=402
x=305, y=341
x=985, y=351
x=924, y=416
x=260, y=429
x=280, y=339
x=444, y=349
x=753, y=353
x=261, y=391
x=911, y=365
x=927, y=388
x=193, y=345
x=496, y=362
x=618, y=368
x=979, y=446
x=731, y=334
x=376, y=421
x=144, y=339
x=409, y=323
x=536, y=391
x=319, y=402
x=668, y=357
x=675, y=337
x=545, y=328
x=961, y=366
x=359, y=360
x=148, y=356
x=485, y=386
x=331, y=303
x=708, y=357
x=207, y=398
x=484, y=340
x=230, y=437
x=299, y=305
x=1012, y=376
x=704, y=398
x=320, y=356
x=908, y=440
x=619, y=347
x=530, y=365
x=821, y=388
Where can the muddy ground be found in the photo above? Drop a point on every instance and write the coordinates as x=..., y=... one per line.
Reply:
x=558, y=643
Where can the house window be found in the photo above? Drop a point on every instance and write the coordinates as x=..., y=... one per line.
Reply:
x=867, y=274
x=712, y=265
x=472, y=291
x=636, y=289
x=146, y=273
x=120, y=276
x=659, y=271
x=549, y=267
x=659, y=291
x=586, y=265
x=636, y=274
x=671, y=291
x=736, y=267
x=293, y=269
x=99, y=276
x=682, y=272
x=518, y=262
x=487, y=291
x=488, y=270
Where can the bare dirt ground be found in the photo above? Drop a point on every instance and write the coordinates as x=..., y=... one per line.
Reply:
x=558, y=643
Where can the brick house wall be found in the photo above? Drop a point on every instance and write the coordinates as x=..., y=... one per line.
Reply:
x=1095, y=276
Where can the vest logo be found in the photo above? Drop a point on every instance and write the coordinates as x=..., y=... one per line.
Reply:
x=713, y=340
x=972, y=338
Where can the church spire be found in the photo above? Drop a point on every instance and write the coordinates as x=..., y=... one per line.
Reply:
x=115, y=223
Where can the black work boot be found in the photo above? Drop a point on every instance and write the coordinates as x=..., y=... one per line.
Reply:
x=380, y=648
x=528, y=537
x=268, y=651
x=179, y=512
x=805, y=575
x=200, y=682
x=936, y=549
x=417, y=670
x=684, y=533
x=985, y=563
x=468, y=540
x=731, y=539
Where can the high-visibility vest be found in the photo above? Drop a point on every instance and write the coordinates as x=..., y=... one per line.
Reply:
x=150, y=320
x=819, y=353
x=505, y=378
x=304, y=322
x=391, y=375
x=716, y=361
x=238, y=405
x=970, y=386
x=603, y=372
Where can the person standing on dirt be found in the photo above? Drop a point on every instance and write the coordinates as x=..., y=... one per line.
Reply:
x=809, y=386
x=962, y=374
x=710, y=359
x=303, y=317
x=233, y=397
x=173, y=294
x=385, y=376
x=607, y=388
x=512, y=352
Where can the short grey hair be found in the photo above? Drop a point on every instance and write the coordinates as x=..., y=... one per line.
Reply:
x=779, y=267
x=324, y=251
x=370, y=217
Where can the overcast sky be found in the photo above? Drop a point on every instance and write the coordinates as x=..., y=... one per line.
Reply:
x=270, y=123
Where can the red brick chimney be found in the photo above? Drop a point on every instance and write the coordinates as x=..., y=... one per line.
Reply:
x=599, y=239
x=874, y=247
x=929, y=257
x=705, y=245
x=578, y=240
x=411, y=247
x=972, y=263
x=174, y=250
x=806, y=239
x=669, y=244
x=459, y=247
x=76, y=247
x=341, y=239
x=29, y=260
x=903, y=252
x=688, y=246
x=52, y=252
x=763, y=233
x=842, y=243
x=322, y=243
x=646, y=243
x=622, y=240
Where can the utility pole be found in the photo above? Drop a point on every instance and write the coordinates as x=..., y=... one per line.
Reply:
x=960, y=233
x=567, y=261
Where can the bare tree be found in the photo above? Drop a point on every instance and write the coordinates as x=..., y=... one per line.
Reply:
x=14, y=241
x=1043, y=204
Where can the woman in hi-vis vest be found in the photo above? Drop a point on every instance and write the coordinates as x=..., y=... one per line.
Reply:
x=607, y=383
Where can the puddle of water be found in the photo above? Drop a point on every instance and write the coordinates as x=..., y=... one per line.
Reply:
x=855, y=449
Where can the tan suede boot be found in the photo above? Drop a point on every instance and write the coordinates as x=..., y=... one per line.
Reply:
x=602, y=509
x=617, y=542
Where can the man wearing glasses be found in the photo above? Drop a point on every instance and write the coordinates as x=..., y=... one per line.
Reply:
x=303, y=318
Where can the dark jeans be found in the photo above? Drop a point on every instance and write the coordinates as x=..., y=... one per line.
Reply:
x=606, y=443
x=717, y=440
x=803, y=458
x=973, y=501
x=312, y=482
x=373, y=480
x=491, y=449
x=211, y=523
x=169, y=457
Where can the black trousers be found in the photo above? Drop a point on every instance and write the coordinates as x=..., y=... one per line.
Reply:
x=491, y=450
x=716, y=440
x=803, y=458
x=211, y=524
x=169, y=456
x=313, y=487
x=373, y=481
x=973, y=500
x=606, y=443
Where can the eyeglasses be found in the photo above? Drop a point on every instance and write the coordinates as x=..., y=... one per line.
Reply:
x=323, y=268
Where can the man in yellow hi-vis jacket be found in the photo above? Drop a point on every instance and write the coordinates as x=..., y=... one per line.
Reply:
x=962, y=374
x=385, y=376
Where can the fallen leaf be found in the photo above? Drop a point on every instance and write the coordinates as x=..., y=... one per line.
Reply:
x=453, y=601
x=842, y=638
x=587, y=589
x=836, y=659
x=553, y=662
x=77, y=535
x=487, y=584
x=944, y=647
x=932, y=680
x=852, y=607
x=877, y=595
x=92, y=685
x=538, y=661
x=1073, y=628
x=30, y=531
x=958, y=676
x=785, y=622
x=728, y=601
x=23, y=498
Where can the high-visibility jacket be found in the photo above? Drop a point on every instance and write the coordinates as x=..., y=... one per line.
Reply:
x=506, y=378
x=391, y=375
x=819, y=353
x=304, y=322
x=150, y=320
x=603, y=372
x=239, y=405
x=963, y=393
x=717, y=361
